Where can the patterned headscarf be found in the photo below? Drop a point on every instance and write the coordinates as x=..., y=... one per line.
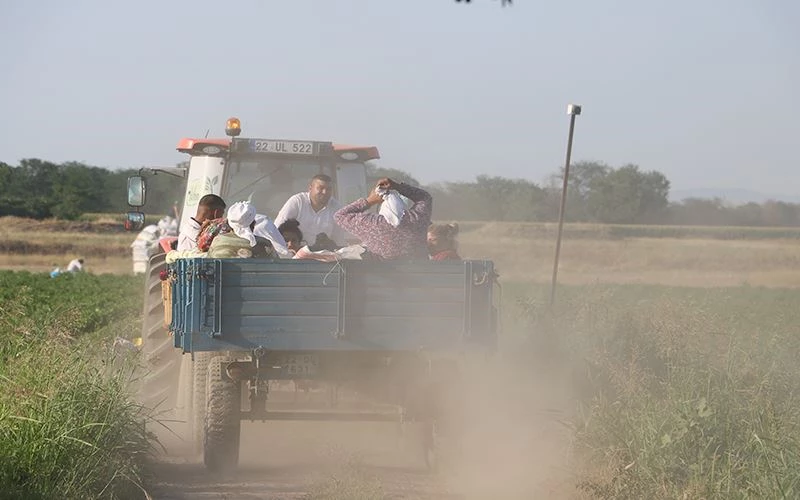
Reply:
x=209, y=231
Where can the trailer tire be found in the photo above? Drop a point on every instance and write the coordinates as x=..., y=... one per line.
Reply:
x=162, y=361
x=222, y=419
x=443, y=427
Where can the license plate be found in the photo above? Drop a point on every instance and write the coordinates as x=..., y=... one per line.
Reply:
x=284, y=147
x=300, y=365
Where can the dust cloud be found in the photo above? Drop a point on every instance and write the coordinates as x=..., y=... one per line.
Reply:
x=515, y=443
x=517, y=440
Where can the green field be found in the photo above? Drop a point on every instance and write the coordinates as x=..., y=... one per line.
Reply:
x=68, y=426
x=680, y=345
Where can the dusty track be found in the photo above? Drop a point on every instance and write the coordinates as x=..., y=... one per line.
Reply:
x=287, y=460
x=516, y=447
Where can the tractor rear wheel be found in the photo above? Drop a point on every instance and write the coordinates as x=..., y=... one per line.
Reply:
x=159, y=388
x=223, y=418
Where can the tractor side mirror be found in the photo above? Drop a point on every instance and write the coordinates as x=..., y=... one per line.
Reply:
x=134, y=221
x=137, y=191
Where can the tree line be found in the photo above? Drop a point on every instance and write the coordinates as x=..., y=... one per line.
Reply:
x=597, y=193
x=41, y=189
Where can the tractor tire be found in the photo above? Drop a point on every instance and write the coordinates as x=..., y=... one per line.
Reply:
x=222, y=420
x=159, y=388
x=198, y=416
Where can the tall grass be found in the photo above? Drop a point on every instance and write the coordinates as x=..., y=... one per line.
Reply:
x=68, y=426
x=68, y=429
x=686, y=393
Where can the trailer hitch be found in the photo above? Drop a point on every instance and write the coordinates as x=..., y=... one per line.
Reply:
x=257, y=386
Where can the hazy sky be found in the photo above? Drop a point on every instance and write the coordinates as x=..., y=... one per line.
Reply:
x=704, y=91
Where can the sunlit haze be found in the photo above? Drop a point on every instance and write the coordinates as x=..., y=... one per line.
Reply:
x=705, y=92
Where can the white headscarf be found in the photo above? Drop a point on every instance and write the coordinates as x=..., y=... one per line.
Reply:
x=393, y=207
x=240, y=215
x=266, y=229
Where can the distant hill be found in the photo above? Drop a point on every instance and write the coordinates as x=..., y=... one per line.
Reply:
x=735, y=196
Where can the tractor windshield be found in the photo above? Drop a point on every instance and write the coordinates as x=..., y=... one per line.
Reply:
x=268, y=183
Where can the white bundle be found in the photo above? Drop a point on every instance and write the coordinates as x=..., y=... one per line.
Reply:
x=393, y=207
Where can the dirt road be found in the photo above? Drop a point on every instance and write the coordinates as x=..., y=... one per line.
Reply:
x=516, y=447
x=288, y=460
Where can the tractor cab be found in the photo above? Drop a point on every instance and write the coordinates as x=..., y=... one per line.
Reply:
x=265, y=172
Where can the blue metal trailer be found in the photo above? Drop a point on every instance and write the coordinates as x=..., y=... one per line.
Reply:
x=393, y=331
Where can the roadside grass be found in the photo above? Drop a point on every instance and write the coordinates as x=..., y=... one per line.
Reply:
x=68, y=425
x=685, y=393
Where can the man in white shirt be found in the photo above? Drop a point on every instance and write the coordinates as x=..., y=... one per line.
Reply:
x=210, y=207
x=314, y=210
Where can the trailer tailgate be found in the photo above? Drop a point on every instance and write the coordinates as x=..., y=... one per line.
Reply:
x=291, y=305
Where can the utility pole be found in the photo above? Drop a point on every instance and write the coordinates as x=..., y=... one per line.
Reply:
x=573, y=110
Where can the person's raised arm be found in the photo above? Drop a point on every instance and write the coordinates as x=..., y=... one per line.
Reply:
x=423, y=202
x=352, y=218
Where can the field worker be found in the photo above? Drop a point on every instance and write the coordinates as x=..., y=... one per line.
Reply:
x=55, y=272
x=240, y=241
x=75, y=266
x=210, y=207
x=442, y=243
x=314, y=210
x=395, y=232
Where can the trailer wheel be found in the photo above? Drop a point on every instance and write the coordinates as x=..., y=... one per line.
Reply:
x=442, y=429
x=222, y=419
x=198, y=416
x=162, y=361
x=430, y=445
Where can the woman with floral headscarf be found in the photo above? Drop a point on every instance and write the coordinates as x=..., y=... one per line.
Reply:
x=395, y=232
x=237, y=239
